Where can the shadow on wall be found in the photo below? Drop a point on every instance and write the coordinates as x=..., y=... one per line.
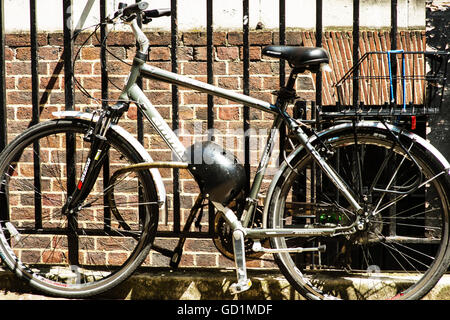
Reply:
x=437, y=38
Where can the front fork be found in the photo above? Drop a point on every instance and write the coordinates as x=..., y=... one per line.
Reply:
x=95, y=158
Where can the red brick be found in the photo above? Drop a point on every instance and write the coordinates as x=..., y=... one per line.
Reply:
x=83, y=67
x=18, y=68
x=24, y=83
x=23, y=39
x=260, y=38
x=56, y=39
x=154, y=85
x=194, y=98
x=200, y=53
x=194, y=38
x=262, y=68
x=219, y=68
x=159, y=38
x=227, y=53
x=18, y=97
x=254, y=53
x=9, y=54
x=194, y=68
x=185, y=53
x=235, y=38
x=235, y=68
x=10, y=83
x=92, y=82
x=160, y=53
x=229, y=113
x=121, y=38
x=219, y=38
x=231, y=83
x=90, y=53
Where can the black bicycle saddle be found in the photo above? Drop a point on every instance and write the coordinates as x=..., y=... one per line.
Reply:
x=298, y=57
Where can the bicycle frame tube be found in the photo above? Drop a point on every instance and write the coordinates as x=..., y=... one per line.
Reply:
x=173, y=78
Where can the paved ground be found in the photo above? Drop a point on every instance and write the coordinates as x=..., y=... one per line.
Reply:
x=192, y=284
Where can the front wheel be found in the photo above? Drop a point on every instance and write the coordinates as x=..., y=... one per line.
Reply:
x=401, y=250
x=93, y=247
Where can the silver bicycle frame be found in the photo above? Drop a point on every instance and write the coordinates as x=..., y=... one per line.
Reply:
x=132, y=93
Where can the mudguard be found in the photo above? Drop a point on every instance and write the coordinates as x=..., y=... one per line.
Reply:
x=160, y=189
x=334, y=132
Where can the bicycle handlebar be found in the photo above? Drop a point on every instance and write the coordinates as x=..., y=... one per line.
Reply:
x=156, y=13
x=134, y=8
x=129, y=14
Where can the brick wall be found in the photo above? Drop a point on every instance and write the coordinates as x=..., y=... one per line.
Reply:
x=438, y=17
x=228, y=117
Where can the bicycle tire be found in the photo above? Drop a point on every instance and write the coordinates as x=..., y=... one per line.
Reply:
x=39, y=247
x=404, y=249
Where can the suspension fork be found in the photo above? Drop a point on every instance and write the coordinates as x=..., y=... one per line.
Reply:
x=96, y=156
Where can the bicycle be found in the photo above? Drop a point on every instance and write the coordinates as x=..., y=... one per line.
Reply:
x=73, y=226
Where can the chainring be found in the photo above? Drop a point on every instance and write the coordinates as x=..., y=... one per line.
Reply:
x=222, y=237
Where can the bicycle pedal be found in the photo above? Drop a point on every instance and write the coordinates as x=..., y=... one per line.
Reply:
x=241, y=286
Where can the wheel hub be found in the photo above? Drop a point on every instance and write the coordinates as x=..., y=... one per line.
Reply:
x=370, y=227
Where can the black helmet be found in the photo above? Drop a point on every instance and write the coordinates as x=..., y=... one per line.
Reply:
x=218, y=172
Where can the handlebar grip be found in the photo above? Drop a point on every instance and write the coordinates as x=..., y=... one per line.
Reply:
x=156, y=13
x=134, y=8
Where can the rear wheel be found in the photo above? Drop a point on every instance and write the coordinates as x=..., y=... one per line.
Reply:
x=91, y=249
x=401, y=250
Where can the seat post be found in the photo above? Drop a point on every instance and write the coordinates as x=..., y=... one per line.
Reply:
x=288, y=93
x=292, y=79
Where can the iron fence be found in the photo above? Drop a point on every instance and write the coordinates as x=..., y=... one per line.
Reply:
x=66, y=64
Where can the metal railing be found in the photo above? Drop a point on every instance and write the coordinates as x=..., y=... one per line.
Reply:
x=67, y=58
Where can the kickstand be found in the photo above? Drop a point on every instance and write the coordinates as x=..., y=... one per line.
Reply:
x=244, y=283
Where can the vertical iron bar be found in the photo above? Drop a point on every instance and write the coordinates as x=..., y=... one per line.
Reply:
x=315, y=174
x=72, y=238
x=209, y=66
x=282, y=38
x=3, y=114
x=355, y=85
x=355, y=53
x=68, y=49
x=140, y=123
x=393, y=36
x=140, y=117
x=175, y=115
x=246, y=89
x=104, y=79
x=210, y=79
x=4, y=214
x=392, y=209
x=282, y=41
x=319, y=27
x=35, y=115
x=34, y=64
